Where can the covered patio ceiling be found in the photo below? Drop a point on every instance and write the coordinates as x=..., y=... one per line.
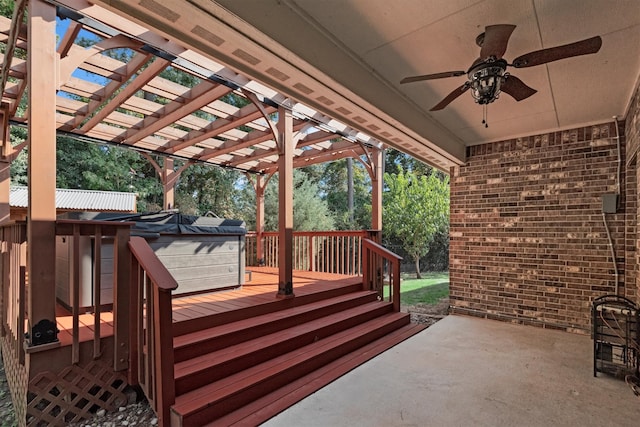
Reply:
x=346, y=58
x=337, y=64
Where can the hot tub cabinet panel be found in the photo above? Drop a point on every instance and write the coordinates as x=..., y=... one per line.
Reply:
x=202, y=254
x=202, y=262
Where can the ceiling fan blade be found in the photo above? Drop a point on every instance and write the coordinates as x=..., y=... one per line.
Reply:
x=432, y=76
x=496, y=38
x=516, y=88
x=453, y=95
x=538, y=57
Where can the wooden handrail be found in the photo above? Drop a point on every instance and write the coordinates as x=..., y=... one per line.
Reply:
x=152, y=340
x=381, y=250
x=336, y=252
x=374, y=258
x=362, y=233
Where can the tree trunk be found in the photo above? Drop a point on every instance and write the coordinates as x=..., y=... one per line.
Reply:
x=417, y=259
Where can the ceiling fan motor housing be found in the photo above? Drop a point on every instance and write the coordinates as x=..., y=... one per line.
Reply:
x=486, y=79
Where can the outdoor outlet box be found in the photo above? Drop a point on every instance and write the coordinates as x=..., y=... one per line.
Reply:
x=609, y=203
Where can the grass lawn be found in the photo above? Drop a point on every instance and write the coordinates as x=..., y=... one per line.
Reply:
x=428, y=290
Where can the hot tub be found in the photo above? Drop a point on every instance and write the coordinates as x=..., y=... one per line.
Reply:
x=202, y=253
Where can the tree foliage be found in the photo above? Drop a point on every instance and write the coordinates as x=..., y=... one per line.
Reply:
x=415, y=210
x=310, y=212
x=334, y=188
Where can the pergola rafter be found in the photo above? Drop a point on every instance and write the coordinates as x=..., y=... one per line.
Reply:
x=123, y=99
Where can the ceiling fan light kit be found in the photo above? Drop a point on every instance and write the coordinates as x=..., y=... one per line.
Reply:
x=485, y=80
x=488, y=77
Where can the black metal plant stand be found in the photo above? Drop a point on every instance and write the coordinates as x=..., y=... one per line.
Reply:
x=616, y=342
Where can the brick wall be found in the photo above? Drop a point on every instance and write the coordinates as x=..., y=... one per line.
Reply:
x=528, y=242
x=632, y=132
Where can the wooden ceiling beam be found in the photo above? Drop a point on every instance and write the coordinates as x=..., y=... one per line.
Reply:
x=14, y=32
x=328, y=156
x=69, y=37
x=134, y=86
x=309, y=139
x=133, y=66
x=200, y=95
x=246, y=114
x=256, y=137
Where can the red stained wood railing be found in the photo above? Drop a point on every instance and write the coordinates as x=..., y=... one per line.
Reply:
x=335, y=252
x=15, y=283
x=381, y=271
x=13, y=303
x=151, y=285
x=100, y=234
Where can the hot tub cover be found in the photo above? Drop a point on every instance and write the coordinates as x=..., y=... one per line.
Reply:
x=148, y=224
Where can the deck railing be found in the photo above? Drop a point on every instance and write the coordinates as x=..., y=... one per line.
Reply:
x=104, y=243
x=14, y=261
x=152, y=355
x=83, y=238
x=381, y=271
x=335, y=252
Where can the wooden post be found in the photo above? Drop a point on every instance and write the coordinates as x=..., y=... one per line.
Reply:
x=286, y=145
x=5, y=190
x=377, y=180
x=375, y=234
x=123, y=301
x=260, y=185
x=5, y=167
x=168, y=184
x=41, y=66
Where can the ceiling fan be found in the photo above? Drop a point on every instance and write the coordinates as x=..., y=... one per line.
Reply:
x=487, y=76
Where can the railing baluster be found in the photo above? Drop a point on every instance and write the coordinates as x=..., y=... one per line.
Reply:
x=75, y=296
x=21, y=314
x=97, y=290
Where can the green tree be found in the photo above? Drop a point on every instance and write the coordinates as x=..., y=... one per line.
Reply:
x=310, y=212
x=103, y=167
x=415, y=210
x=333, y=188
x=203, y=188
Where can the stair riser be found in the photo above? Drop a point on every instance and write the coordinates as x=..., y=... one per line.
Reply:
x=255, y=331
x=278, y=379
x=193, y=325
x=215, y=372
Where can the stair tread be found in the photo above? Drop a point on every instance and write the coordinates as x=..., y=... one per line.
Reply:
x=235, y=327
x=262, y=409
x=186, y=326
x=204, y=396
x=219, y=357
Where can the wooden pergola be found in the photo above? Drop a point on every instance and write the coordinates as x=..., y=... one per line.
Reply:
x=73, y=86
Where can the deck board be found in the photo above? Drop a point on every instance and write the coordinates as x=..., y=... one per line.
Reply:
x=259, y=291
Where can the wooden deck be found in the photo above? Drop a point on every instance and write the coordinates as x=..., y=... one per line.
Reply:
x=255, y=296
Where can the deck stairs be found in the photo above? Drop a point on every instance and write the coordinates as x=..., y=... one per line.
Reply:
x=243, y=367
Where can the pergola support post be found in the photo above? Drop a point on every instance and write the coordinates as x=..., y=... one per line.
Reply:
x=286, y=145
x=168, y=185
x=377, y=181
x=41, y=213
x=260, y=185
x=168, y=177
x=5, y=167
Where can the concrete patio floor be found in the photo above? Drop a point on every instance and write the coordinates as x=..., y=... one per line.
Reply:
x=466, y=371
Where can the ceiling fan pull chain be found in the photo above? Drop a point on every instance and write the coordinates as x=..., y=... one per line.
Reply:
x=484, y=116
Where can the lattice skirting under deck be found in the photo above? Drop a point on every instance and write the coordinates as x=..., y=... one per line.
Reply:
x=74, y=394
x=17, y=378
